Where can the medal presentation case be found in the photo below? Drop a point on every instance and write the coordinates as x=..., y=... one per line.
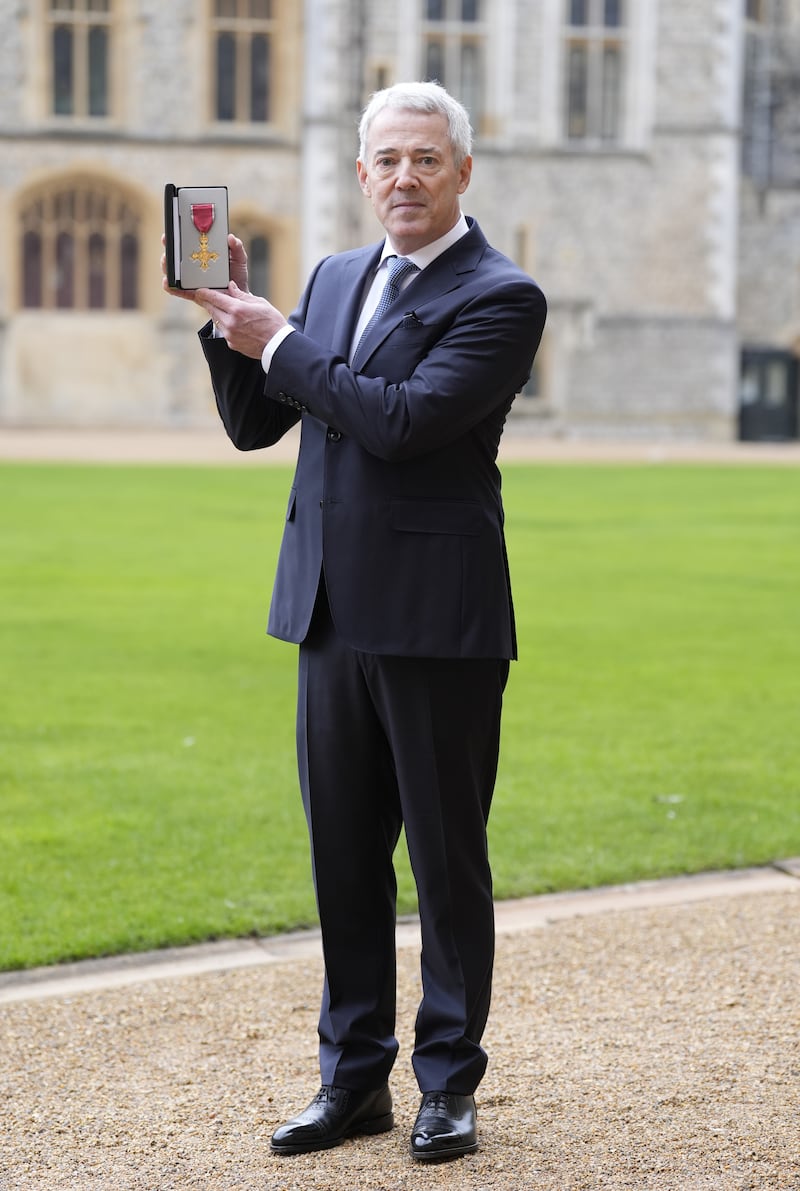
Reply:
x=196, y=234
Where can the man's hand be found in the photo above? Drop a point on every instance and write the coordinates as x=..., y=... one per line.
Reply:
x=246, y=321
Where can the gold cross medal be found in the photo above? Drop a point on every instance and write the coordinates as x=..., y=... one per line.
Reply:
x=203, y=215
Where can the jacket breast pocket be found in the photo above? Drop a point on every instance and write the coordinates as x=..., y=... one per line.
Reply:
x=436, y=517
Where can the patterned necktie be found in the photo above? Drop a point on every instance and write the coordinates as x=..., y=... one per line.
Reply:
x=400, y=267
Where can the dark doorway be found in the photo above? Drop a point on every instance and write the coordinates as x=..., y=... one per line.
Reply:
x=768, y=395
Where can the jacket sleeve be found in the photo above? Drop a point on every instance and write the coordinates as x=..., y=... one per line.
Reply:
x=250, y=419
x=238, y=383
x=441, y=373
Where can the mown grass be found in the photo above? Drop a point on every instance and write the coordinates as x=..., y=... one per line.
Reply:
x=147, y=771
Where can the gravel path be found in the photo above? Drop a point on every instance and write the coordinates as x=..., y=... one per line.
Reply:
x=635, y=1049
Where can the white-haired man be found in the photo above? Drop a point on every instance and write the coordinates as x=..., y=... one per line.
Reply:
x=402, y=361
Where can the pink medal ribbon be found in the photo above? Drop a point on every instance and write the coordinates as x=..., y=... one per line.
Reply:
x=203, y=216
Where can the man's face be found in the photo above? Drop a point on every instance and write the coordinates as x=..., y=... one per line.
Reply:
x=411, y=178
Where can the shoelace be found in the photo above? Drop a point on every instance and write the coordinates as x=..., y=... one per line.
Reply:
x=435, y=1102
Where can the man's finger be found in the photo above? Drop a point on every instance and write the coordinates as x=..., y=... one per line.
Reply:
x=215, y=301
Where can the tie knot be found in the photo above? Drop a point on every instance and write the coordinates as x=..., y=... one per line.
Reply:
x=399, y=268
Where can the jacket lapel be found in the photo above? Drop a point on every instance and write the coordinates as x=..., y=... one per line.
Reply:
x=357, y=275
x=441, y=277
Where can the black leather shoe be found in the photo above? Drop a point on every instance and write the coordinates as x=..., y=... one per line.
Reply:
x=446, y=1127
x=333, y=1115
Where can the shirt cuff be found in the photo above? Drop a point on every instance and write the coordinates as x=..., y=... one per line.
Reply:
x=273, y=345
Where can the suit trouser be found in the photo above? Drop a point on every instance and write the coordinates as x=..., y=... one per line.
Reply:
x=385, y=742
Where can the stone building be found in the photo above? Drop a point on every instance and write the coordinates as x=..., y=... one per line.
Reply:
x=641, y=158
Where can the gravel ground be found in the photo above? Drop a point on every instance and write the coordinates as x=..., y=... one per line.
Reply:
x=642, y=1049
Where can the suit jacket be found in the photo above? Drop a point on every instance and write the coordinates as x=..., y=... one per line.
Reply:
x=396, y=494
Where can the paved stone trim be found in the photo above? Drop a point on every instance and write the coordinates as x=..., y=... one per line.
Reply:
x=524, y=914
x=132, y=445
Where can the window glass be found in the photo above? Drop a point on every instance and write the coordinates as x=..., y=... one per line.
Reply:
x=259, y=78
x=226, y=77
x=578, y=14
x=577, y=92
x=129, y=272
x=258, y=265
x=32, y=270
x=776, y=382
x=613, y=13
x=434, y=61
x=611, y=93
x=98, y=71
x=471, y=72
x=62, y=70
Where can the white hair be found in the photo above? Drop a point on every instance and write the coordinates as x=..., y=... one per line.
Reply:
x=421, y=97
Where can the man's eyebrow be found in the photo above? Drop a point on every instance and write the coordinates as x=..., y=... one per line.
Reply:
x=426, y=150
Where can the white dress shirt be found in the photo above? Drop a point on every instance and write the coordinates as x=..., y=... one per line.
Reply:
x=422, y=257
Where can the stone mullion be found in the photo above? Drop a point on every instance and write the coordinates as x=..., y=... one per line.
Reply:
x=113, y=231
x=49, y=233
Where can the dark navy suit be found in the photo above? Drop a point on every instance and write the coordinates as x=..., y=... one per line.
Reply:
x=393, y=579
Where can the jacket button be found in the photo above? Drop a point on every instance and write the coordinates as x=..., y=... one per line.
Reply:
x=334, y=435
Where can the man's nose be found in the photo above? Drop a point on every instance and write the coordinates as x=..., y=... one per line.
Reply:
x=406, y=176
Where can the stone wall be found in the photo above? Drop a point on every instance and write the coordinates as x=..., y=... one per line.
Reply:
x=655, y=268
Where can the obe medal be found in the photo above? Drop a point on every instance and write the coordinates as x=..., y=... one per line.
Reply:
x=203, y=219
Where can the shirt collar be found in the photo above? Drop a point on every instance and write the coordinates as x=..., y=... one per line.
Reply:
x=428, y=253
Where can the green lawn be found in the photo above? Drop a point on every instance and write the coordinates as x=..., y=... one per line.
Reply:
x=147, y=777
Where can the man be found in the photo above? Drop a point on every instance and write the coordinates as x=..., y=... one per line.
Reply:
x=393, y=580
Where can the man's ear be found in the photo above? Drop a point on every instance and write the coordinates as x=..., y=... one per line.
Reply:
x=363, y=178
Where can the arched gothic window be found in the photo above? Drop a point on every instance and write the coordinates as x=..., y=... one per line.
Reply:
x=80, y=250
